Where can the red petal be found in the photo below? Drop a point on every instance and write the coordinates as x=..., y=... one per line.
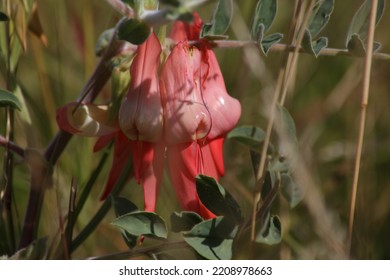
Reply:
x=141, y=113
x=186, y=116
x=122, y=151
x=216, y=149
x=183, y=31
x=103, y=141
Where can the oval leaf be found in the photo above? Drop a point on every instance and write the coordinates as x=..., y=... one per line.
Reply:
x=264, y=15
x=134, y=31
x=221, y=20
x=217, y=199
x=250, y=136
x=288, y=142
x=268, y=41
x=320, y=16
x=291, y=191
x=271, y=233
x=142, y=223
x=213, y=239
x=9, y=99
x=184, y=221
x=359, y=24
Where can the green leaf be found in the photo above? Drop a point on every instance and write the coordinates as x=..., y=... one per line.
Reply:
x=271, y=233
x=360, y=21
x=250, y=136
x=123, y=206
x=3, y=17
x=288, y=142
x=221, y=20
x=268, y=41
x=134, y=31
x=264, y=16
x=313, y=47
x=7, y=98
x=213, y=239
x=217, y=199
x=320, y=16
x=184, y=221
x=291, y=191
x=142, y=223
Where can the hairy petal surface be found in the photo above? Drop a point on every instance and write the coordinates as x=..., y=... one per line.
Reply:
x=140, y=115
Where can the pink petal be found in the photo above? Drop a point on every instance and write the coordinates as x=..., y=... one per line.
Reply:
x=140, y=115
x=185, y=114
x=225, y=110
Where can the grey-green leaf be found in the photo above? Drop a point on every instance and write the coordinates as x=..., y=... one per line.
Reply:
x=217, y=199
x=134, y=31
x=313, y=47
x=359, y=24
x=357, y=47
x=320, y=16
x=268, y=41
x=288, y=144
x=221, y=20
x=271, y=233
x=264, y=15
x=7, y=98
x=213, y=239
x=291, y=191
x=250, y=136
x=184, y=221
x=142, y=223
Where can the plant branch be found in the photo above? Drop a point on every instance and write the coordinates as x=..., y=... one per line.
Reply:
x=143, y=251
x=362, y=124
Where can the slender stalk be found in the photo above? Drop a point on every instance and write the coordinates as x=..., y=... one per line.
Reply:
x=7, y=191
x=280, y=91
x=362, y=124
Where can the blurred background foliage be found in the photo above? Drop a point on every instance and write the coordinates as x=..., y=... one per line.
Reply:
x=324, y=101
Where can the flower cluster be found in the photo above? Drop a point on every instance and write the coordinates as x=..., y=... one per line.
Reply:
x=178, y=111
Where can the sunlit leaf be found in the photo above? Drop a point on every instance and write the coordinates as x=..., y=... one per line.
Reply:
x=264, y=16
x=213, y=239
x=293, y=192
x=142, y=223
x=216, y=198
x=320, y=16
x=134, y=31
x=250, y=136
x=221, y=20
x=9, y=99
x=271, y=233
x=184, y=221
x=360, y=21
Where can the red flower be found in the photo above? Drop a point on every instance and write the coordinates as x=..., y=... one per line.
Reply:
x=184, y=114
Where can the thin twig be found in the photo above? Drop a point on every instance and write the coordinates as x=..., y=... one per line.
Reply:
x=362, y=124
x=143, y=251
